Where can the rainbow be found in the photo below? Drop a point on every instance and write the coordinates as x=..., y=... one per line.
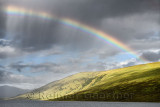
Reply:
x=18, y=11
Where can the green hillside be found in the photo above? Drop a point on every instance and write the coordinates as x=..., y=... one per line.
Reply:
x=136, y=83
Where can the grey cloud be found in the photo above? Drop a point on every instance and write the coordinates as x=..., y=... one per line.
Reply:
x=9, y=52
x=2, y=20
x=129, y=64
x=18, y=66
x=98, y=66
x=1, y=75
x=7, y=77
x=151, y=56
x=1, y=66
x=43, y=67
x=41, y=35
x=4, y=75
x=132, y=27
x=38, y=34
x=4, y=42
x=10, y=78
x=102, y=52
x=28, y=82
x=116, y=65
x=108, y=53
x=145, y=45
x=51, y=52
x=90, y=11
x=48, y=67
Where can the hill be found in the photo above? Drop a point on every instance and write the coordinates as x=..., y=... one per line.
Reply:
x=136, y=83
x=9, y=91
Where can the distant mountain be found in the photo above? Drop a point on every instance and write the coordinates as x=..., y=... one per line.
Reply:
x=136, y=83
x=9, y=91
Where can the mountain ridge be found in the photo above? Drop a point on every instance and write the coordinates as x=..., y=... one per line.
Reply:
x=95, y=82
x=11, y=91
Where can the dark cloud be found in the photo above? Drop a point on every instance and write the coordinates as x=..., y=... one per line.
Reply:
x=38, y=34
x=43, y=67
x=101, y=52
x=1, y=75
x=108, y=53
x=91, y=11
x=138, y=26
x=2, y=20
x=4, y=75
x=7, y=77
x=4, y=42
x=18, y=66
x=151, y=56
x=1, y=66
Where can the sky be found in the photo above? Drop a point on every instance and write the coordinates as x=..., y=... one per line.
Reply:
x=35, y=51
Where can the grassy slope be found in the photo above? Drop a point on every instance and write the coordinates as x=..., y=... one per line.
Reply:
x=137, y=83
x=66, y=86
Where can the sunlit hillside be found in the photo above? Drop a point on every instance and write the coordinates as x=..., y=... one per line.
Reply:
x=136, y=83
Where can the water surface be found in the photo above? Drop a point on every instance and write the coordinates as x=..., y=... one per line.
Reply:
x=74, y=104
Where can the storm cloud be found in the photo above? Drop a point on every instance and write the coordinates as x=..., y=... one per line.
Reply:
x=38, y=34
x=151, y=56
x=2, y=20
